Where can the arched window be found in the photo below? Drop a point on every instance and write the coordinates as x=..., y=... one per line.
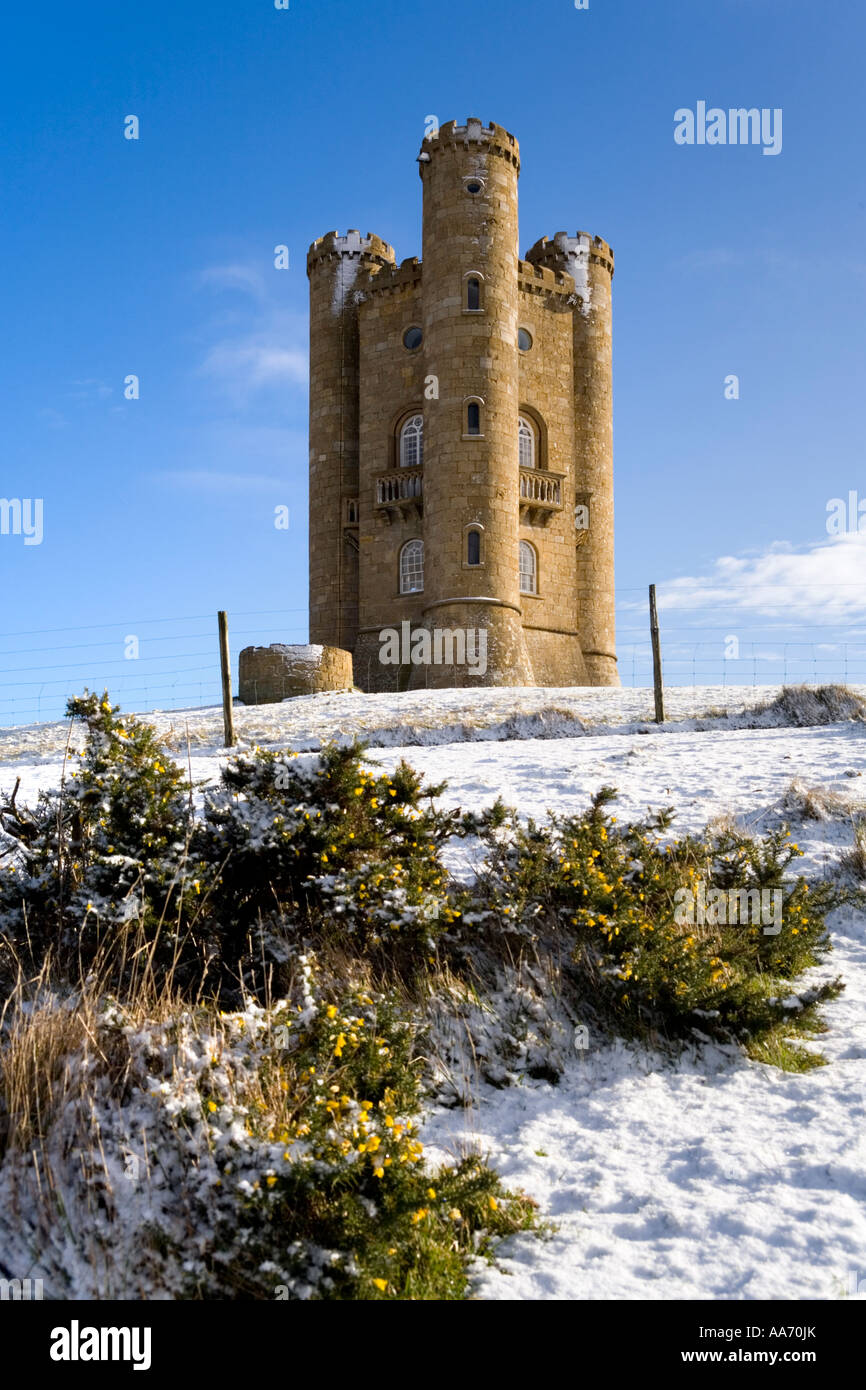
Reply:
x=412, y=442
x=473, y=293
x=526, y=435
x=473, y=547
x=528, y=569
x=412, y=568
x=473, y=418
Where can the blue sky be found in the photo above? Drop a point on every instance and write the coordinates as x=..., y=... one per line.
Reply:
x=261, y=127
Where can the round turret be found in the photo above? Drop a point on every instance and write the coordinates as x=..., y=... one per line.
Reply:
x=589, y=261
x=470, y=259
x=336, y=266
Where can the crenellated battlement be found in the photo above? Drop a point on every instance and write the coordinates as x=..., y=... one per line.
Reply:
x=493, y=138
x=540, y=279
x=389, y=279
x=564, y=252
x=333, y=246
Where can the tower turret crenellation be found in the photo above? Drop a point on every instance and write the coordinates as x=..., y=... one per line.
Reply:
x=391, y=278
x=564, y=251
x=493, y=139
x=332, y=246
x=539, y=279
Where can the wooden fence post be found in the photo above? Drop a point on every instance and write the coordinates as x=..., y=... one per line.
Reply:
x=225, y=666
x=657, y=657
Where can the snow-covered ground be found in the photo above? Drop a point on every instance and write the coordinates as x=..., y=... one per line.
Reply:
x=709, y=1177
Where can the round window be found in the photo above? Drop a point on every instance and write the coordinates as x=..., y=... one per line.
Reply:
x=524, y=339
x=474, y=186
x=413, y=338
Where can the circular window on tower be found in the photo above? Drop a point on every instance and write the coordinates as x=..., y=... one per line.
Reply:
x=524, y=339
x=413, y=338
x=474, y=185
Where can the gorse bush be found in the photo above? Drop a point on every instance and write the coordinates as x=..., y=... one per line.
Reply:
x=265, y=1153
x=287, y=848
x=642, y=964
x=347, y=1208
x=297, y=850
x=108, y=849
x=321, y=840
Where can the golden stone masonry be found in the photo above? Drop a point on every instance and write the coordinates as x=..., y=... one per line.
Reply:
x=461, y=462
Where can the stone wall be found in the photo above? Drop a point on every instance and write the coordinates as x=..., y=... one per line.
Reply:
x=269, y=674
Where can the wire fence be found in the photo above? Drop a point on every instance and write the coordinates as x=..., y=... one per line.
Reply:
x=173, y=662
x=732, y=644
x=154, y=663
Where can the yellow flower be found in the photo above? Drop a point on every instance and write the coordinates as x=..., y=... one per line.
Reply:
x=493, y=1204
x=271, y=1180
x=381, y=1284
x=431, y=1193
x=212, y=1106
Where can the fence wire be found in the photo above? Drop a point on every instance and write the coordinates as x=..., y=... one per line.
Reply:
x=172, y=662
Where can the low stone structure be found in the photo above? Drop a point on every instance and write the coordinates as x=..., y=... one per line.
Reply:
x=267, y=675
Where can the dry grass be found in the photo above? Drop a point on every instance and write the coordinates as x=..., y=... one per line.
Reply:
x=855, y=860
x=725, y=823
x=805, y=706
x=819, y=803
x=53, y=1039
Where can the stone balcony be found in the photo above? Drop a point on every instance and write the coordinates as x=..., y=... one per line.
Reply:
x=540, y=495
x=400, y=494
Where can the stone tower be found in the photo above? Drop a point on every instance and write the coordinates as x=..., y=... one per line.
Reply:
x=461, y=473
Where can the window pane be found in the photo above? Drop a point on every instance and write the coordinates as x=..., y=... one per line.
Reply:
x=473, y=548
x=473, y=294
x=526, y=435
x=412, y=568
x=527, y=568
x=473, y=418
x=412, y=442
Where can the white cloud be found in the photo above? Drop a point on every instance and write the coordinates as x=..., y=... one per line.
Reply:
x=252, y=362
x=821, y=585
x=256, y=347
x=237, y=276
x=89, y=387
